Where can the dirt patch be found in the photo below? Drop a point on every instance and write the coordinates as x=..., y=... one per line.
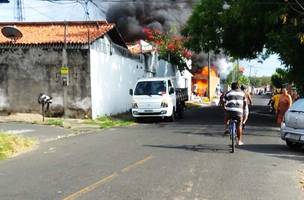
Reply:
x=22, y=117
x=69, y=123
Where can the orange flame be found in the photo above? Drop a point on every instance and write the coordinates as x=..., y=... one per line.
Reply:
x=201, y=80
x=213, y=71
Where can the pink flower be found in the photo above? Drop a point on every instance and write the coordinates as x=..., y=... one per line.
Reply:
x=187, y=54
x=171, y=46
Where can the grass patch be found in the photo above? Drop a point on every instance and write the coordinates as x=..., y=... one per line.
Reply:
x=55, y=122
x=11, y=145
x=108, y=122
x=192, y=105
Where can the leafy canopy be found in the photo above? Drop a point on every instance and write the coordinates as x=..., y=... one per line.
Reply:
x=279, y=78
x=236, y=74
x=243, y=29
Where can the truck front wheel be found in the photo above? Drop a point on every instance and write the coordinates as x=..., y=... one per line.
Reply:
x=172, y=117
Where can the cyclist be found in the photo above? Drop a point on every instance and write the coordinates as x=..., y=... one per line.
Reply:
x=246, y=108
x=235, y=102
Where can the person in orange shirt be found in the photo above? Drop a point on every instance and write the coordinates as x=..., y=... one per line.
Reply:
x=285, y=102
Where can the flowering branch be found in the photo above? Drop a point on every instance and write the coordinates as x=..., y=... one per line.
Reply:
x=169, y=48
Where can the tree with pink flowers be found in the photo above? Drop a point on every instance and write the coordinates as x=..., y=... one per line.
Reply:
x=170, y=48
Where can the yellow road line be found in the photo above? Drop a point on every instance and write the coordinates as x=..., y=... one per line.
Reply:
x=91, y=187
x=106, y=179
x=136, y=164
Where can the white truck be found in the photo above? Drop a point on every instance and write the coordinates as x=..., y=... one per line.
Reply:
x=158, y=97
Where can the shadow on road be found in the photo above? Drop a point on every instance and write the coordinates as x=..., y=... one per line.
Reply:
x=214, y=115
x=204, y=148
x=275, y=150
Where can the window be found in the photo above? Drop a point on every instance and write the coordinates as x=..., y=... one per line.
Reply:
x=298, y=105
x=151, y=88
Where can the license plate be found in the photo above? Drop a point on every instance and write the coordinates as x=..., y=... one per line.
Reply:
x=148, y=111
x=293, y=136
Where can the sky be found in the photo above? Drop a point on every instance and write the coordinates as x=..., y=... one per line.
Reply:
x=264, y=68
x=38, y=10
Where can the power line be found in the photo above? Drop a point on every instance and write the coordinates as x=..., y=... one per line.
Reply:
x=127, y=1
x=19, y=10
x=97, y=6
x=41, y=13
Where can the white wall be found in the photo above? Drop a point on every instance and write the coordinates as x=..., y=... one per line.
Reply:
x=111, y=78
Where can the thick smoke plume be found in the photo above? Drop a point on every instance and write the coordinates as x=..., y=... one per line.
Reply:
x=132, y=16
x=220, y=61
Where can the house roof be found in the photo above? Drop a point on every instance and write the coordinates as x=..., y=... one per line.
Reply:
x=46, y=33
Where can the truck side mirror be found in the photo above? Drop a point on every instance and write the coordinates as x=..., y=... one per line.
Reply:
x=131, y=92
x=171, y=90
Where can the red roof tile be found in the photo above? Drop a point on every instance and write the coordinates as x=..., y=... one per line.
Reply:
x=53, y=32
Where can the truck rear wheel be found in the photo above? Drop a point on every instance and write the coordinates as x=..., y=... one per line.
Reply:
x=180, y=110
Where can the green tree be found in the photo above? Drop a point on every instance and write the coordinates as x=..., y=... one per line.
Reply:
x=243, y=80
x=279, y=78
x=236, y=75
x=260, y=81
x=255, y=81
x=243, y=29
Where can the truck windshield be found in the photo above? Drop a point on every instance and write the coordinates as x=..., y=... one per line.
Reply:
x=150, y=88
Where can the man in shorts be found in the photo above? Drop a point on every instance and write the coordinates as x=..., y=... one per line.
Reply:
x=235, y=102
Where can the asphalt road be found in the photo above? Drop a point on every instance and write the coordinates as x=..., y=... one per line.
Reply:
x=189, y=159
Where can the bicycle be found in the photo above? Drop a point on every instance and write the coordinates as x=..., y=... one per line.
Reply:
x=233, y=133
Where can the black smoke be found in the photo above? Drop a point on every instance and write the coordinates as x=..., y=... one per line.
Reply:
x=131, y=17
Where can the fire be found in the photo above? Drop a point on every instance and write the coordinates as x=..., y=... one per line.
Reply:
x=213, y=71
x=201, y=87
x=200, y=80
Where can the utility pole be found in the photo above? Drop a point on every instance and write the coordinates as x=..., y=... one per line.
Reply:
x=65, y=72
x=237, y=70
x=86, y=9
x=250, y=66
x=209, y=95
x=19, y=10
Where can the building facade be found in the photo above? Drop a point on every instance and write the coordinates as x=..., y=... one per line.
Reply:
x=85, y=67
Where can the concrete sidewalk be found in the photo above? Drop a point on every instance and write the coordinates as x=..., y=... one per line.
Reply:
x=31, y=125
x=42, y=133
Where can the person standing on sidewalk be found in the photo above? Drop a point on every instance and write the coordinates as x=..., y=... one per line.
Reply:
x=235, y=102
x=284, y=104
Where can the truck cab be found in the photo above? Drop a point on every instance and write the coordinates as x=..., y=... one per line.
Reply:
x=154, y=97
